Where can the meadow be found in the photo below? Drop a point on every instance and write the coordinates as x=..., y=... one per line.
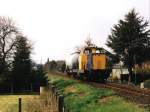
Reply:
x=9, y=103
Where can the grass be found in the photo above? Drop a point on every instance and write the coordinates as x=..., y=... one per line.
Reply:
x=80, y=97
x=9, y=103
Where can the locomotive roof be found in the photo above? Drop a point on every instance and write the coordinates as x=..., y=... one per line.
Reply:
x=99, y=48
x=94, y=47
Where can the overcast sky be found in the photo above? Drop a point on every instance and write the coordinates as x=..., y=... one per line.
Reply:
x=56, y=27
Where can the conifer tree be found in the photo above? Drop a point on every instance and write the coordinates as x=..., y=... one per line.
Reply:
x=22, y=64
x=130, y=40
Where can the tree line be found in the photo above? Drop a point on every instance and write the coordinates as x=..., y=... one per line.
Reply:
x=18, y=73
x=54, y=65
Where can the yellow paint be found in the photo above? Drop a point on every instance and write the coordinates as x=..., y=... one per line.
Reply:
x=99, y=62
x=82, y=61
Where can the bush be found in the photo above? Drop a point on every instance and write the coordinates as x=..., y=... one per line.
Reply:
x=147, y=83
x=142, y=70
x=39, y=76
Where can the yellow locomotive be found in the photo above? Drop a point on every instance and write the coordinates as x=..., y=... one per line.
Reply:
x=92, y=63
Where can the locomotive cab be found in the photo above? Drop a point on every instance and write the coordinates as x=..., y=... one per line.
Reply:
x=93, y=64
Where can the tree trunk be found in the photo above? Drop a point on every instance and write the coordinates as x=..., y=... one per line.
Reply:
x=130, y=66
x=130, y=74
x=2, y=67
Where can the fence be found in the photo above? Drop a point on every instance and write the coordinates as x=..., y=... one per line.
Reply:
x=51, y=100
x=58, y=98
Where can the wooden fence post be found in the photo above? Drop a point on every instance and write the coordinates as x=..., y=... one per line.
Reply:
x=53, y=89
x=20, y=109
x=61, y=103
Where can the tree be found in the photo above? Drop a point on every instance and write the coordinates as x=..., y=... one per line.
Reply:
x=39, y=77
x=52, y=65
x=87, y=43
x=22, y=63
x=130, y=40
x=8, y=32
x=61, y=65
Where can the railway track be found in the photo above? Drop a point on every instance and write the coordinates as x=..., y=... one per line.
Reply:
x=135, y=94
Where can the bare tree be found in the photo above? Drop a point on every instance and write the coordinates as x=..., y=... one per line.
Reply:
x=87, y=43
x=8, y=33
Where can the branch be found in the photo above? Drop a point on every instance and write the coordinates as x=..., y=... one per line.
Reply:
x=10, y=31
x=11, y=46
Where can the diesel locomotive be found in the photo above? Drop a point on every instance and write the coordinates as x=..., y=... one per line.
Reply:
x=91, y=63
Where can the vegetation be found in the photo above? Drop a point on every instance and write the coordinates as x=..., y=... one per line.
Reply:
x=21, y=64
x=87, y=43
x=16, y=70
x=8, y=33
x=147, y=83
x=85, y=98
x=130, y=40
x=39, y=77
x=9, y=103
x=142, y=74
x=53, y=65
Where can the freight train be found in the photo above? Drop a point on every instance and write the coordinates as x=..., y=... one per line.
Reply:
x=91, y=63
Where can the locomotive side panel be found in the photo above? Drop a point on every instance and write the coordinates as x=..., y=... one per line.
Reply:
x=82, y=62
x=99, y=62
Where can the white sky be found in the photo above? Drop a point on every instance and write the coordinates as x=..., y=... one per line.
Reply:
x=56, y=27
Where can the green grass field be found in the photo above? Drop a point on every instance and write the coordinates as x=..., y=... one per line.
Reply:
x=78, y=97
x=9, y=103
x=85, y=98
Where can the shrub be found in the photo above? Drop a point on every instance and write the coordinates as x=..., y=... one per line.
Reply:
x=147, y=83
